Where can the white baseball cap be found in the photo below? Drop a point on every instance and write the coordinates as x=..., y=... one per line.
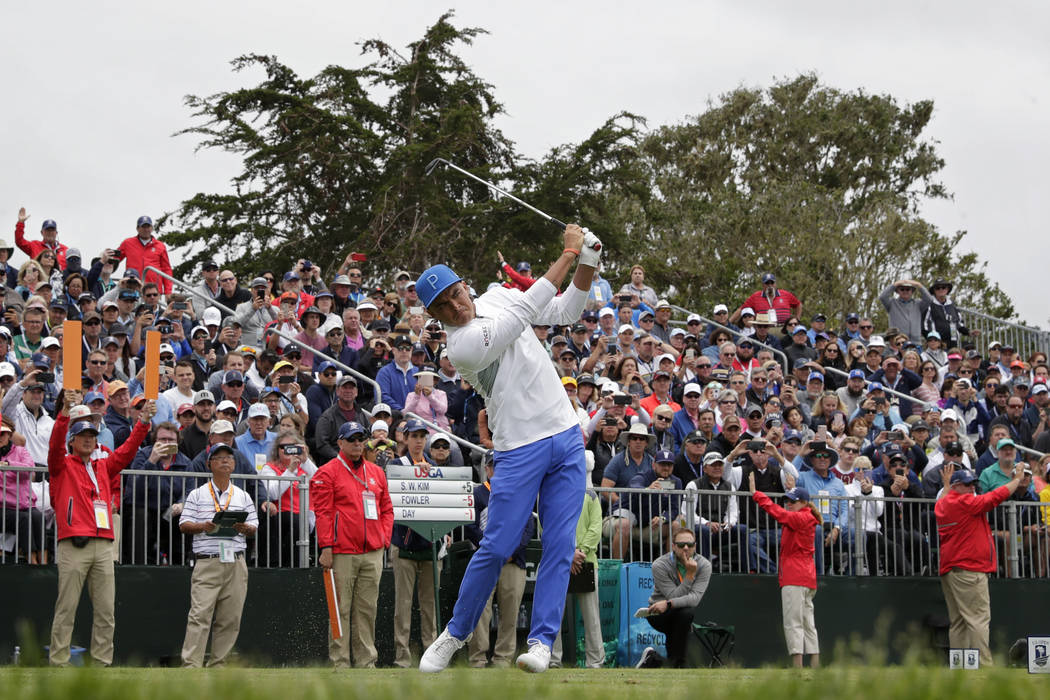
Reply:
x=692, y=388
x=626, y=328
x=380, y=425
x=258, y=410
x=366, y=305
x=606, y=311
x=211, y=316
x=721, y=308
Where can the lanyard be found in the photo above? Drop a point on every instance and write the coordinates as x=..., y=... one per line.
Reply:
x=91, y=474
x=356, y=477
x=229, y=498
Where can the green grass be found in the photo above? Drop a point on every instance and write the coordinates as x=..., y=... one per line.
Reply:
x=510, y=684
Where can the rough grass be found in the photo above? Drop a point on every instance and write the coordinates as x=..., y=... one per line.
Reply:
x=856, y=683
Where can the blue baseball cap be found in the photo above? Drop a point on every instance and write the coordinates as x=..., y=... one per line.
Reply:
x=232, y=376
x=768, y=277
x=792, y=434
x=351, y=428
x=40, y=360
x=856, y=374
x=93, y=396
x=414, y=426
x=293, y=275
x=963, y=476
x=815, y=375
x=798, y=493
x=219, y=447
x=324, y=365
x=434, y=280
x=48, y=223
x=874, y=386
x=81, y=426
x=664, y=456
x=144, y=221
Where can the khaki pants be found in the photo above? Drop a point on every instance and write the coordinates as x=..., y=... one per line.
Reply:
x=215, y=589
x=592, y=628
x=800, y=630
x=115, y=522
x=509, y=589
x=94, y=563
x=357, y=583
x=410, y=575
x=969, y=610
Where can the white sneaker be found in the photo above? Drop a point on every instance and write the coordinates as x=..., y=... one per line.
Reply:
x=537, y=659
x=649, y=659
x=438, y=654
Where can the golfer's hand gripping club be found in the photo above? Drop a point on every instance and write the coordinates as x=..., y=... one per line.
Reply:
x=591, y=252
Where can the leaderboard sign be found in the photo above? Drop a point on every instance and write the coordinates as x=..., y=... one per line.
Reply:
x=431, y=500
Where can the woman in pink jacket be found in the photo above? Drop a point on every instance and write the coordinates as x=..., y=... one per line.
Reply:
x=426, y=401
x=21, y=518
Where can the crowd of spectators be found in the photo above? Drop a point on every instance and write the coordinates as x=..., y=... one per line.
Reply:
x=758, y=390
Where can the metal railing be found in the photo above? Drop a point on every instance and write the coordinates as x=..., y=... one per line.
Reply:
x=783, y=358
x=877, y=535
x=335, y=361
x=867, y=382
x=1024, y=339
x=460, y=441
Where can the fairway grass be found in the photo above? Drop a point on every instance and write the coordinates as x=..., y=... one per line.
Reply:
x=510, y=684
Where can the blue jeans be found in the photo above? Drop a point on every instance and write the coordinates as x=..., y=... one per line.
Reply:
x=757, y=558
x=553, y=468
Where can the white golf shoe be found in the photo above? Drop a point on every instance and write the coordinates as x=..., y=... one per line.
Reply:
x=438, y=654
x=537, y=659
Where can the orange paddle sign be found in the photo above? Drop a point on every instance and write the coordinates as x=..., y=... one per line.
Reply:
x=335, y=622
x=151, y=377
x=72, y=360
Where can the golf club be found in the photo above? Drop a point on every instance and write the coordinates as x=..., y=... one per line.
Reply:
x=434, y=163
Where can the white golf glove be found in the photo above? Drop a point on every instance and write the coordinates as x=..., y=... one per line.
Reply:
x=591, y=253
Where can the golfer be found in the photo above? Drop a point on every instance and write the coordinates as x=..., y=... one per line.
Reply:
x=536, y=435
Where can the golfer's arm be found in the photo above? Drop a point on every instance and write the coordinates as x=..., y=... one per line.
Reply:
x=566, y=308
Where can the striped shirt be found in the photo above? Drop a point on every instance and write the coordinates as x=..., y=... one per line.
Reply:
x=200, y=508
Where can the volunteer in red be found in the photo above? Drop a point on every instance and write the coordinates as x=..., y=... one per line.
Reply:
x=146, y=250
x=355, y=519
x=798, y=572
x=80, y=495
x=48, y=236
x=968, y=555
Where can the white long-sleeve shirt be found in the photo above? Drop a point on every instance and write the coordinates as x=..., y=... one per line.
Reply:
x=499, y=355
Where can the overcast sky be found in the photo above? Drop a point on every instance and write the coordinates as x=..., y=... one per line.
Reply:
x=94, y=91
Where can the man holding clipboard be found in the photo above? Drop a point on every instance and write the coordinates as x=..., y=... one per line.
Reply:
x=220, y=516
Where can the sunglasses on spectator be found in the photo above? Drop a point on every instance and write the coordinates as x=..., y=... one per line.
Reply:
x=870, y=411
x=97, y=362
x=329, y=374
x=94, y=322
x=706, y=365
x=851, y=450
x=335, y=331
x=355, y=438
x=235, y=384
x=866, y=326
x=727, y=402
x=638, y=438
x=731, y=427
x=685, y=545
x=663, y=418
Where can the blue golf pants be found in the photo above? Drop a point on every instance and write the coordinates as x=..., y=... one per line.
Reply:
x=554, y=469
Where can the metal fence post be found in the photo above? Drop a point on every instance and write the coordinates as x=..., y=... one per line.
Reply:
x=304, y=522
x=1013, y=569
x=859, y=537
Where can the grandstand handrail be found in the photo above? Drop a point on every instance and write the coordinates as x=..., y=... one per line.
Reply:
x=461, y=441
x=1039, y=339
x=867, y=382
x=738, y=334
x=211, y=302
x=836, y=370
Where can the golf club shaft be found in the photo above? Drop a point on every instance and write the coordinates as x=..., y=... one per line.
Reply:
x=502, y=191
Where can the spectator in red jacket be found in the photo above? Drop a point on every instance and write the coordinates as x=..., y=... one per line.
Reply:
x=780, y=301
x=968, y=555
x=355, y=519
x=798, y=573
x=520, y=278
x=146, y=250
x=49, y=239
x=80, y=495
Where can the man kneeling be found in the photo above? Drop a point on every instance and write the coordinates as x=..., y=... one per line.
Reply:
x=680, y=579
